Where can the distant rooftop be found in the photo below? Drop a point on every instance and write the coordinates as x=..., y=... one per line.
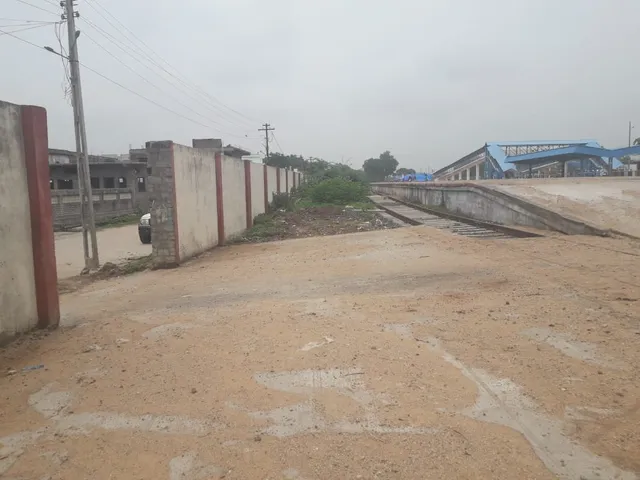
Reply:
x=497, y=153
x=59, y=156
x=230, y=150
x=572, y=153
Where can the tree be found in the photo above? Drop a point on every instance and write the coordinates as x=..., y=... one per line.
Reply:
x=405, y=171
x=315, y=167
x=636, y=141
x=377, y=169
x=285, y=161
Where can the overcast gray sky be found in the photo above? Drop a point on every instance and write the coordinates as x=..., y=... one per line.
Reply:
x=430, y=80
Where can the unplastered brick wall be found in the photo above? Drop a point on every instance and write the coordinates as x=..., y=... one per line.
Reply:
x=163, y=203
x=200, y=198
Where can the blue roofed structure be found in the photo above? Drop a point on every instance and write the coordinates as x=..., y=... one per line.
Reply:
x=574, y=153
x=496, y=159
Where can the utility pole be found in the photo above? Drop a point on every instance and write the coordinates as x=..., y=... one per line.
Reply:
x=630, y=127
x=267, y=128
x=82, y=153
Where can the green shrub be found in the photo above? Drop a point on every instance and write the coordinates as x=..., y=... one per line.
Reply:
x=282, y=201
x=338, y=191
x=262, y=218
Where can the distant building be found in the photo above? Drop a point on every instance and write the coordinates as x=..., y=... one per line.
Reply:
x=492, y=161
x=119, y=187
x=107, y=171
x=229, y=150
x=140, y=154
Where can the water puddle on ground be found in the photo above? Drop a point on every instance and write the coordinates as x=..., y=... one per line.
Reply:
x=502, y=402
x=583, y=351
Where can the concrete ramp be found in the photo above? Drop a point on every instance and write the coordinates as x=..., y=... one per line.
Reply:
x=608, y=203
x=587, y=206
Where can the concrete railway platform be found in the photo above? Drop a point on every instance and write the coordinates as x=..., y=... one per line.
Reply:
x=574, y=206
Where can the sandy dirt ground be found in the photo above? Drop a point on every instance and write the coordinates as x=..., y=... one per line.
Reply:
x=604, y=202
x=115, y=245
x=397, y=354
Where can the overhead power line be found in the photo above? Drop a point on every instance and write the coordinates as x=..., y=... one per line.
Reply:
x=3, y=19
x=2, y=32
x=15, y=25
x=66, y=84
x=143, y=97
x=147, y=81
x=21, y=29
x=39, y=8
x=193, y=86
x=277, y=142
x=143, y=60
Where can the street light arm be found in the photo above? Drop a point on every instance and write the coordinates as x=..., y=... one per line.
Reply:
x=49, y=49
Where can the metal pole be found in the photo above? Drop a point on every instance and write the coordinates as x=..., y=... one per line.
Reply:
x=84, y=176
x=76, y=126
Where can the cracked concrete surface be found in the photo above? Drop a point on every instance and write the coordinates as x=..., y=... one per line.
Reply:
x=402, y=354
x=502, y=401
x=584, y=351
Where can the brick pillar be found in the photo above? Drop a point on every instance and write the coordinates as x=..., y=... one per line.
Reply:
x=293, y=179
x=266, y=188
x=164, y=217
x=36, y=156
x=247, y=192
x=219, y=198
x=286, y=180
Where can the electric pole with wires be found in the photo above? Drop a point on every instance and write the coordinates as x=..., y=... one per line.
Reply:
x=82, y=154
x=266, y=129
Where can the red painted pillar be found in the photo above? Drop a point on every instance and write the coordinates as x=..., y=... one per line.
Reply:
x=219, y=199
x=293, y=179
x=36, y=156
x=266, y=188
x=278, y=180
x=247, y=192
x=286, y=180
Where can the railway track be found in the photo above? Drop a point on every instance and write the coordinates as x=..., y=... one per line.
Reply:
x=467, y=227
